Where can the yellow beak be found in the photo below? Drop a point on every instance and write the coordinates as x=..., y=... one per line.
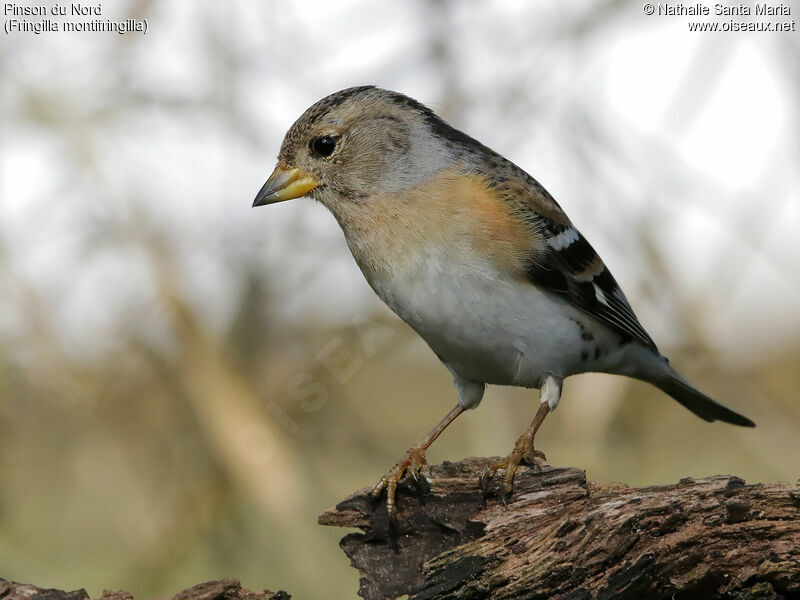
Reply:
x=285, y=183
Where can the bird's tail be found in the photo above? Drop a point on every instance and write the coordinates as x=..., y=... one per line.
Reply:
x=697, y=402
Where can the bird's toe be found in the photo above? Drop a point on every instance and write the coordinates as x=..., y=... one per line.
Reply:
x=408, y=469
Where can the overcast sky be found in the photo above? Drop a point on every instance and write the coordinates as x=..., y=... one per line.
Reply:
x=631, y=120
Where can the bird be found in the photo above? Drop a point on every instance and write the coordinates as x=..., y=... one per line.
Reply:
x=475, y=255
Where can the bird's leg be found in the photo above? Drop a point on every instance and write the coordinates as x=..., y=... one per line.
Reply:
x=412, y=462
x=523, y=449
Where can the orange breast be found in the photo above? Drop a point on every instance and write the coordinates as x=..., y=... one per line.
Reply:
x=454, y=212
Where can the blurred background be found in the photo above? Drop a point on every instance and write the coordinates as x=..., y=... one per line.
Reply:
x=187, y=382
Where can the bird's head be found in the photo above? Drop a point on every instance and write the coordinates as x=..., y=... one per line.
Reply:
x=357, y=143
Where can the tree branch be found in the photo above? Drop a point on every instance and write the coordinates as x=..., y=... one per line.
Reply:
x=563, y=538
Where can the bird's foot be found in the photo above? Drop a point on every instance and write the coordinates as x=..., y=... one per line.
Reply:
x=523, y=451
x=410, y=465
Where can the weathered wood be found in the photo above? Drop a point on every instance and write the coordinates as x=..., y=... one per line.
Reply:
x=563, y=538
x=224, y=589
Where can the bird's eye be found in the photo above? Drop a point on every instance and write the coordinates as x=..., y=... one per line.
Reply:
x=323, y=145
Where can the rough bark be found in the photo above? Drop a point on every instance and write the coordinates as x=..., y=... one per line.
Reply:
x=561, y=537
x=224, y=589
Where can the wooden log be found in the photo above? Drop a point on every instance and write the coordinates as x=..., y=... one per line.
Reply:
x=224, y=589
x=561, y=537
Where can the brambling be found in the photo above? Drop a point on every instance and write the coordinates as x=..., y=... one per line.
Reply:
x=474, y=254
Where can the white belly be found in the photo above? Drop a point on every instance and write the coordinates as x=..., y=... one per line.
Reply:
x=490, y=328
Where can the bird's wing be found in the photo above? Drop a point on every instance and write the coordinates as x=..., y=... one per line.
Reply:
x=567, y=265
x=559, y=259
x=564, y=262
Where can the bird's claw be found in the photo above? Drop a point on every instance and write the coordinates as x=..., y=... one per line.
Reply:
x=410, y=466
x=535, y=458
x=523, y=452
